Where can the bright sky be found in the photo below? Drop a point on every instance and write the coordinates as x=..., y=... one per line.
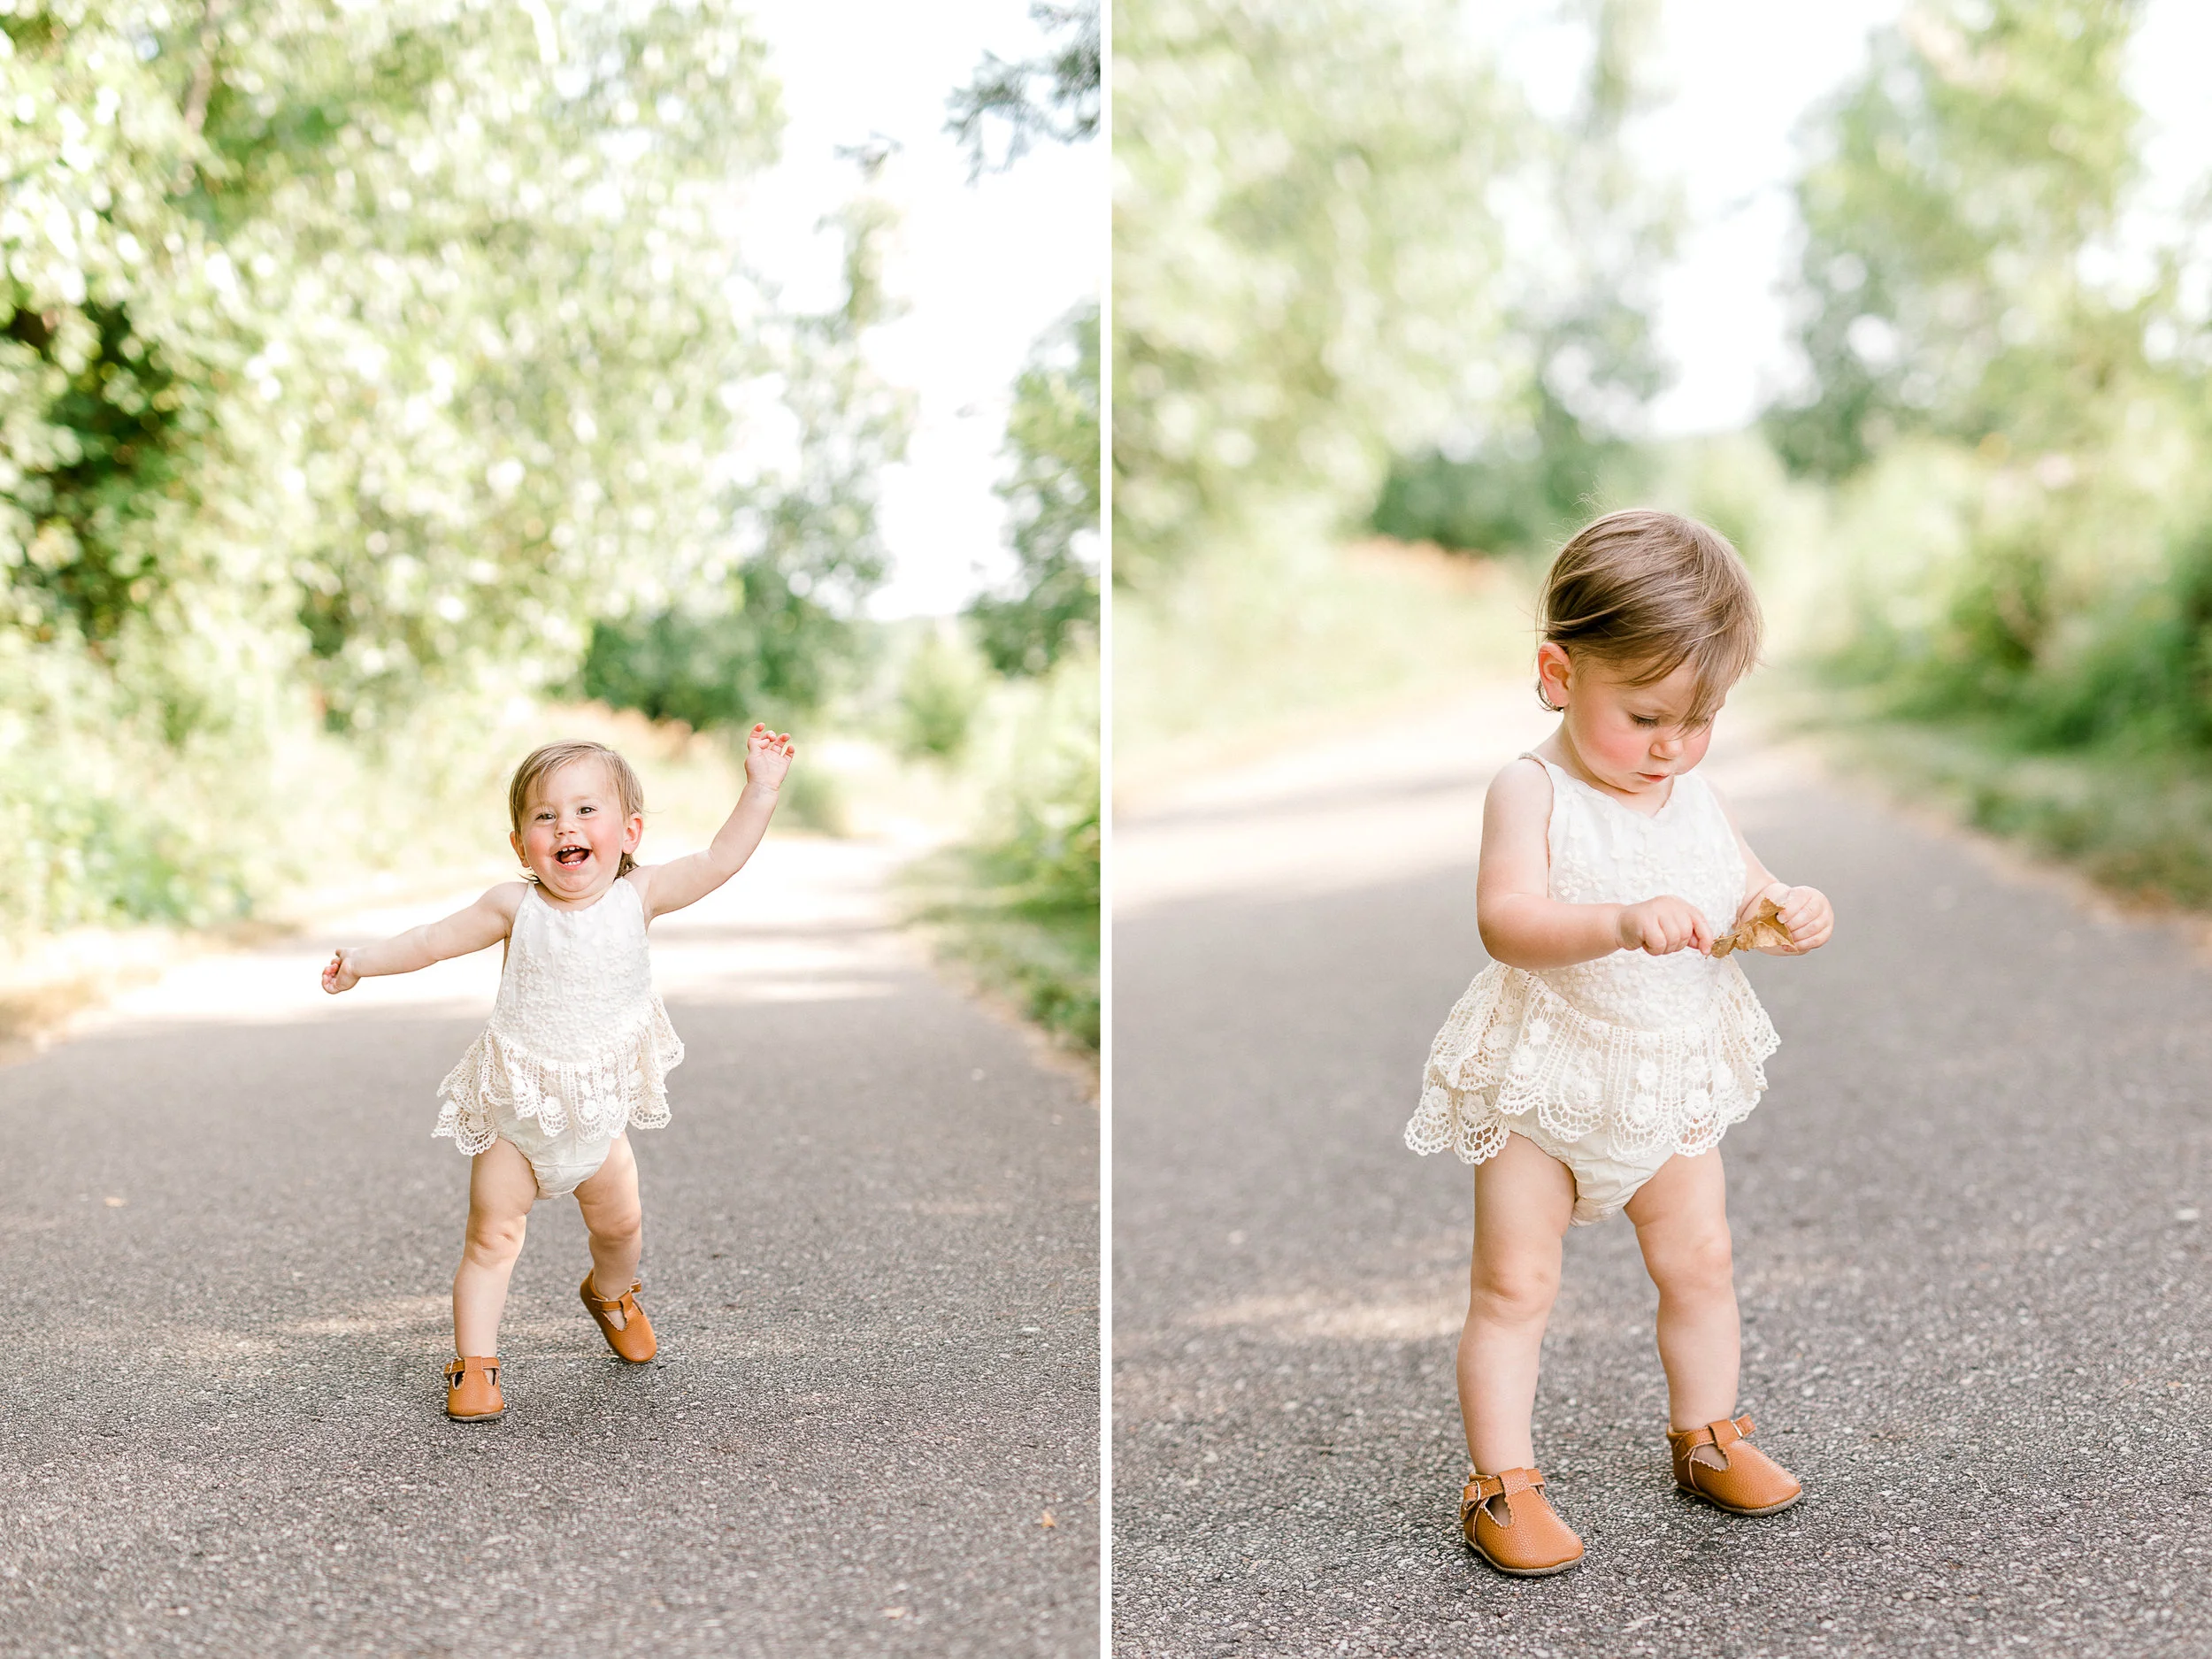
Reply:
x=1740, y=76
x=985, y=268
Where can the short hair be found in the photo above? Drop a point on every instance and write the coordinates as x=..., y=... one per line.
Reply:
x=542, y=762
x=1644, y=592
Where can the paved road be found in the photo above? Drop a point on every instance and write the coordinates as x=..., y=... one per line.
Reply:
x=1970, y=1256
x=870, y=1252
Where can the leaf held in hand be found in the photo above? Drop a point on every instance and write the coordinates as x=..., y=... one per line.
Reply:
x=1762, y=929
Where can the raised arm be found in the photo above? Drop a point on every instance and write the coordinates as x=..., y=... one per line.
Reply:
x=686, y=881
x=484, y=923
x=1524, y=926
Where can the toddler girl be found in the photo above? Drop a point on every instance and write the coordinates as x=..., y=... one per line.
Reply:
x=1594, y=1065
x=579, y=1047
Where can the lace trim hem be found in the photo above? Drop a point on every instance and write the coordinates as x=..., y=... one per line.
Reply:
x=1513, y=1046
x=623, y=1085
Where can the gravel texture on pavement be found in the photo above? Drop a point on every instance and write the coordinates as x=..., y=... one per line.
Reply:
x=1969, y=1248
x=870, y=1258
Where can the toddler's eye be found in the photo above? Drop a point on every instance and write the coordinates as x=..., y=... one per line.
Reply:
x=1643, y=719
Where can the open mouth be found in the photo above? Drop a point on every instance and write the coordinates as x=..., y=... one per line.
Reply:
x=568, y=857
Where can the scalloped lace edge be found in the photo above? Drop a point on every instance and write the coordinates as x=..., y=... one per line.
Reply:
x=1513, y=1046
x=623, y=1085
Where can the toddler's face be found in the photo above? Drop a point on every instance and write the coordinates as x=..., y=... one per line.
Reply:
x=573, y=833
x=1631, y=738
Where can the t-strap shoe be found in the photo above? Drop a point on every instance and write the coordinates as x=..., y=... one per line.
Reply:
x=1743, y=1480
x=1508, y=1522
x=471, y=1389
x=633, y=1339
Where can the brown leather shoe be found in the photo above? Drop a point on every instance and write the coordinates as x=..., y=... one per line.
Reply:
x=633, y=1339
x=1529, y=1541
x=471, y=1389
x=1747, y=1481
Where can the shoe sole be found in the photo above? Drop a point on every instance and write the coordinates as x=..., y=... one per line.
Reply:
x=481, y=1416
x=1495, y=1565
x=643, y=1359
x=1730, y=1508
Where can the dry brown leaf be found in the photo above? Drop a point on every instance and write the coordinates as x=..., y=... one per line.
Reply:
x=1761, y=930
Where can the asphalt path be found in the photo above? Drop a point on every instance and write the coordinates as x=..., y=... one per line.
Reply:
x=1967, y=1241
x=871, y=1256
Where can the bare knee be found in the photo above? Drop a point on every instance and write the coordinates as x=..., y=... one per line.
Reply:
x=1514, y=1290
x=494, y=1240
x=1701, y=1264
x=620, y=1227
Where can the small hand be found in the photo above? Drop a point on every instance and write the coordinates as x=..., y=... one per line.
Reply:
x=338, y=974
x=1805, y=911
x=1661, y=926
x=768, y=756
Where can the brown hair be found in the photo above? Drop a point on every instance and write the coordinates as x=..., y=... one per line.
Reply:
x=1645, y=592
x=542, y=762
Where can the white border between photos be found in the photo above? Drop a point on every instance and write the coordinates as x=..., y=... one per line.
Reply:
x=1106, y=838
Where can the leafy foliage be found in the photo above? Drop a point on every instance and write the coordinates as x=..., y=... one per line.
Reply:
x=1305, y=256
x=1958, y=199
x=1067, y=110
x=1981, y=359
x=1020, y=902
x=355, y=357
x=1053, y=497
x=1589, y=235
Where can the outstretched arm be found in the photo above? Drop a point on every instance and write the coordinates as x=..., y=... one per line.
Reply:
x=686, y=881
x=484, y=923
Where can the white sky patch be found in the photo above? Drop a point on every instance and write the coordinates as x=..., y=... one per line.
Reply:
x=1736, y=80
x=984, y=269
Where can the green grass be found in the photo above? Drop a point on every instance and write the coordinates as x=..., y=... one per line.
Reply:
x=1016, y=905
x=2138, y=821
x=1028, y=935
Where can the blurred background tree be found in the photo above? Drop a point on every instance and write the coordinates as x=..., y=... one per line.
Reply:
x=1306, y=256
x=1053, y=97
x=1018, y=903
x=1373, y=277
x=1051, y=604
x=1589, y=233
x=361, y=360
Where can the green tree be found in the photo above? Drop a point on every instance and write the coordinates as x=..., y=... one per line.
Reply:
x=1591, y=234
x=2021, y=475
x=365, y=355
x=1305, y=255
x=767, y=625
x=1005, y=94
x=1052, y=497
x=1959, y=194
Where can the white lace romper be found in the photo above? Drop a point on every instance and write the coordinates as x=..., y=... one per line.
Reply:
x=579, y=1047
x=1611, y=1066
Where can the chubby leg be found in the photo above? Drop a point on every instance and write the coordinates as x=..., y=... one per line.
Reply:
x=616, y=1222
x=501, y=1188
x=1681, y=1216
x=1523, y=1199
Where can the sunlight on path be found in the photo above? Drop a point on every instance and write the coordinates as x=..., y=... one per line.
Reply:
x=1396, y=799
x=808, y=919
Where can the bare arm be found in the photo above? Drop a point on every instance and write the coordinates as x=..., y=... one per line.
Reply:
x=1805, y=911
x=686, y=881
x=1524, y=926
x=482, y=924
